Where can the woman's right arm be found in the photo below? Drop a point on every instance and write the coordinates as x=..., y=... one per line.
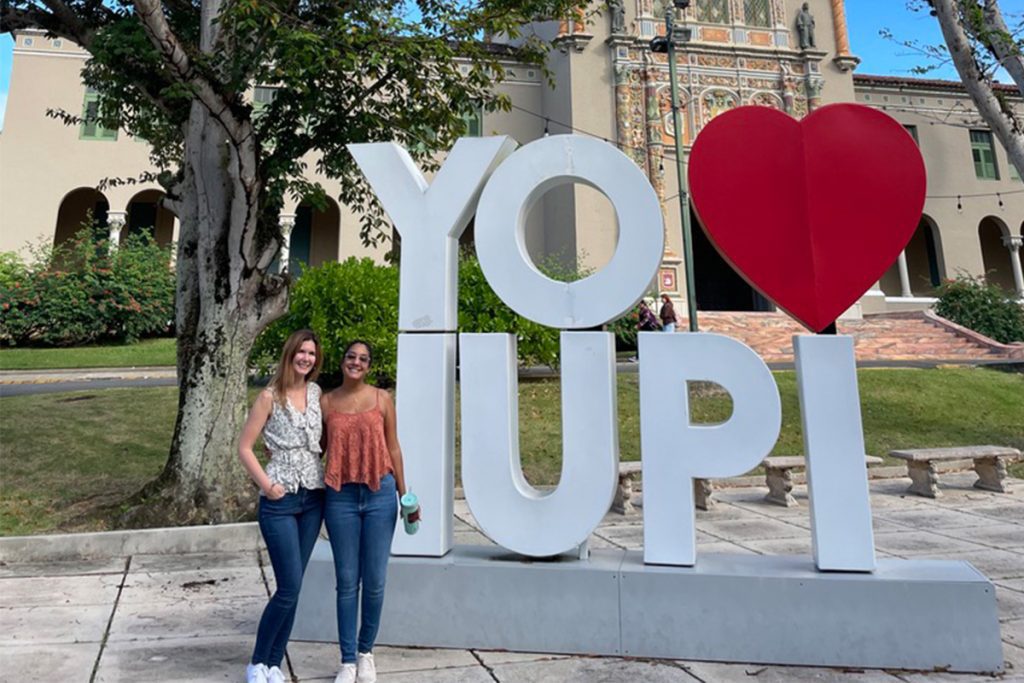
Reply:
x=250, y=432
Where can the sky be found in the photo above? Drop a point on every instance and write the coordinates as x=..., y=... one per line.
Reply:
x=865, y=18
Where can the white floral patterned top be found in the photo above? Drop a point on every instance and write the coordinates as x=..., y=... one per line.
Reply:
x=293, y=439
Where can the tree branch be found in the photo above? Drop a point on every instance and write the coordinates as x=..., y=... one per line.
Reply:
x=999, y=40
x=59, y=21
x=176, y=57
x=1000, y=119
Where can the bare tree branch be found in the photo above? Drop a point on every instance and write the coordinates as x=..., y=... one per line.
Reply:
x=1001, y=120
x=1000, y=41
x=62, y=23
x=177, y=59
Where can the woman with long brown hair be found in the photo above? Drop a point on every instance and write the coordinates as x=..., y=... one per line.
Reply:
x=291, y=503
x=364, y=478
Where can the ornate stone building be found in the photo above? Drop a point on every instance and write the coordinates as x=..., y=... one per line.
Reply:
x=609, y=84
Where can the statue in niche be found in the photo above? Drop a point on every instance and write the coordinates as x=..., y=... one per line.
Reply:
x=617, y=9
x=805, y=27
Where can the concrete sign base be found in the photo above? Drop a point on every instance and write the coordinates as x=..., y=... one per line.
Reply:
x=908, y=614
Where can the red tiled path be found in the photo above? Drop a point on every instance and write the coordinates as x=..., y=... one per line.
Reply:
x=898, y=337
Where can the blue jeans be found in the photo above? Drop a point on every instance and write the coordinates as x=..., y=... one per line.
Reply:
x=290, y=526
x=360, y=523
x=668, y=327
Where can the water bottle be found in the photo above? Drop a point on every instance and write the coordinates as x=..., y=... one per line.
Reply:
x=410, y=512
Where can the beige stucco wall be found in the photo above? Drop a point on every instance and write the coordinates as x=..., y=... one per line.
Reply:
x=944, y=118
x=42, y=159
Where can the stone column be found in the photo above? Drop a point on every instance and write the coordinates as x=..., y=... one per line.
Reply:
x=843, y=59
x=901, y=263
x=287, y=221
x=116, y=221
x=1013, y=243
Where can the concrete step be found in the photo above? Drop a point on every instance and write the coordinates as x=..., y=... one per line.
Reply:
x=905, y=337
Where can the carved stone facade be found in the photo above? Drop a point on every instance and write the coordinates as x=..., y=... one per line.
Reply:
x=723, y=67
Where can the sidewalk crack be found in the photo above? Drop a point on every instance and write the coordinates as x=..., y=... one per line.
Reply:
x=110, y=620
x=488, y=669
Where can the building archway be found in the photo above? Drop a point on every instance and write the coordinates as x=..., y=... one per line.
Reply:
x=146, y=214
x=995, y=257
x=74, y=212
x=315, y=237
x=925, y=264
x=719, y=286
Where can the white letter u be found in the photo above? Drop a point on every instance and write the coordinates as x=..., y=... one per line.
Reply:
x=509, y=510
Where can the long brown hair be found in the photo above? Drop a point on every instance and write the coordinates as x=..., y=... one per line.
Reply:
x=288, y=351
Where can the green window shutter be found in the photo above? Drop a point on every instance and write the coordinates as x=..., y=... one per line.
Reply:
x=89, y=113
x=984, y=155
x=474, y=121
x=91, y=128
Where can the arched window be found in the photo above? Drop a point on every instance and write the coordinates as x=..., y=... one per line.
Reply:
x=757, y=13
x=713, y=11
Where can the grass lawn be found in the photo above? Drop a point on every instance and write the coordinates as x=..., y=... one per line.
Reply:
x=144, y=353
x=64, y=456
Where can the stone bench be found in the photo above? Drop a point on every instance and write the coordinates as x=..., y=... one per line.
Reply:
x=702, y=489
x=779, y=476
x=624, y=491
x=989, y=463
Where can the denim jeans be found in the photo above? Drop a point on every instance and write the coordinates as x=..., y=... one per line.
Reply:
x=290, y=526
x=360, y=523
x=668, y=327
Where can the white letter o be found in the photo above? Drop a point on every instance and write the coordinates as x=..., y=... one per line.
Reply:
x=516, y=186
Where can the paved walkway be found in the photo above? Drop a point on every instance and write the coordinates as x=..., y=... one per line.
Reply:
x=192, y=617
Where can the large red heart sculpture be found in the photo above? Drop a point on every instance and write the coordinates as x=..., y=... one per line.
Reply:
x=810, y=212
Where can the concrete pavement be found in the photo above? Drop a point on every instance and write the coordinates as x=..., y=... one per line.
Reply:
x=124, y=612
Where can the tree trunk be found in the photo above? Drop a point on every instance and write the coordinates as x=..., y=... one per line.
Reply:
x=225, y=297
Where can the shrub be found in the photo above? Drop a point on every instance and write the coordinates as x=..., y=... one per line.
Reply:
x=79, y=292
x=625, y=330
x=358, y=299
x=340, y=301
x=12, y=269
x=480, y=310
x=982, y=307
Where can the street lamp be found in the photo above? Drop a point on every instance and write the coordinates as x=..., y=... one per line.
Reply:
x=667, y=44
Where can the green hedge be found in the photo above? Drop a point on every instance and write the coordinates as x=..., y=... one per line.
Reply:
x=480, y=310
x=81, y=292
x=982, y=307
x=340, y=301
x=358, y=299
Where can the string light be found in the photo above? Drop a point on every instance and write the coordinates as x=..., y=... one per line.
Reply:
x=671, y=155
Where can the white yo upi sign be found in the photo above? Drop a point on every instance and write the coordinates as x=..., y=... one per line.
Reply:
x=488, y=177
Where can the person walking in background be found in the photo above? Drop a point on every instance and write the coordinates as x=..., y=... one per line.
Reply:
x=667, y=314
x=646, y=320
x=291, y=503
x=364, y=478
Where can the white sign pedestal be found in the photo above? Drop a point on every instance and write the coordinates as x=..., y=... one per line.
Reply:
x=907, y=614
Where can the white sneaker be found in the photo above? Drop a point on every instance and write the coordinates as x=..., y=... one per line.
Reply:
x=256, y=673
x=347, y=674
x=367, y=670
x=275, y=675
